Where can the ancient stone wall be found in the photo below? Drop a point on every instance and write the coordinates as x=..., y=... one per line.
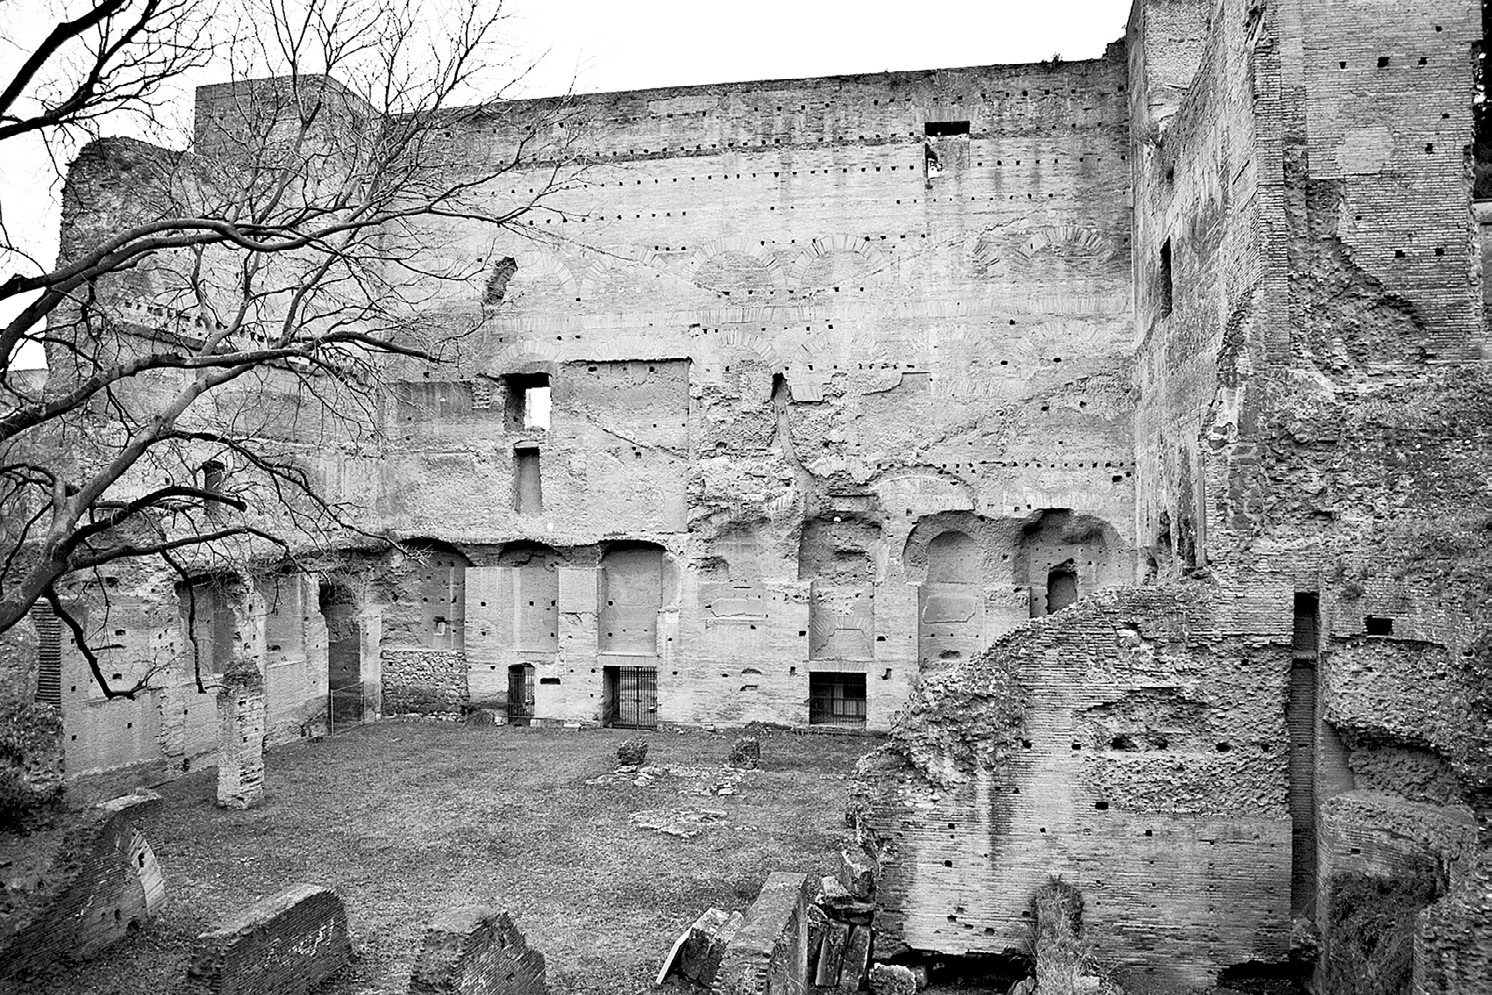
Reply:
x=285, y=944
x=477, y=951
x=1130, y=744
x=74, y=892
x=1313, y=401
x=903, y=296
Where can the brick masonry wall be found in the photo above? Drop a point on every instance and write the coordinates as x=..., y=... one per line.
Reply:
x=241, y=739
x=477, y=950
x=102, y=882
x=1106, y=745
x=285, y=944
x=1314, y=409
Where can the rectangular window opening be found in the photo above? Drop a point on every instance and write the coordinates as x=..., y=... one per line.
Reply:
x=945, y=129
x=528, y=495
x=527, y=401
x=1165, y=279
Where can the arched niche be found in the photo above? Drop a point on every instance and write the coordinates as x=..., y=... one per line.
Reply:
x=950, y=603
x=1064, y=556
x=837, y=552
x=534, y=572
x=340, y=610
x=630, y=591
x=429, y=606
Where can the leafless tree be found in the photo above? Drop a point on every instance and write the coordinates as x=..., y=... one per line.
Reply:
x=225, y=318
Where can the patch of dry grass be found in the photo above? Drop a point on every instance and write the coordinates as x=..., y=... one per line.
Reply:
x=404, y=819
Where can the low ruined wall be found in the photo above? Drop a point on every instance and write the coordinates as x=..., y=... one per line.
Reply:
x=477, y=951
x=769, y=953
x=1134, y=744
x=285, y=944
x=103, y=882
x=424, y=681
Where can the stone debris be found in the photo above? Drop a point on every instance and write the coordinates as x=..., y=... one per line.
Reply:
x=856, y=959
x=697, y=954
x=684, y=823
x=831, y=955
x=892, y=979
x=633, y=752
x=746, y=752
x=857, y=872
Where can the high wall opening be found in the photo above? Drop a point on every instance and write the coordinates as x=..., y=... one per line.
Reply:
x=837, y=554
x=950, y=605
x=630, y=592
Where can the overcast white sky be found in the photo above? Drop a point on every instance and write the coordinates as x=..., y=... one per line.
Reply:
x=633, y=44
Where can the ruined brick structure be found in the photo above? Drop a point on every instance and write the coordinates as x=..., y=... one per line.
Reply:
x=1112, y=432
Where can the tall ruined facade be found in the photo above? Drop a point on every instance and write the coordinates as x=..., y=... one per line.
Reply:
x=1114, y=433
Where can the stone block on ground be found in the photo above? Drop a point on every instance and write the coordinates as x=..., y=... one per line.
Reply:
x=892, y=979
x=285, y=944
x=831, y=955
x=697, y=954
x=769, y=953
x=477, y=951
x=633, y=752
x=856, y=959
x=818, y=926
x=745, y=752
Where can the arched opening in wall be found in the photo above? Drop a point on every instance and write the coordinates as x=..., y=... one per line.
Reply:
x=535, y=579
x=1061, y=587
x=629, y=594
x=950, y=602
x=837, y=553
x=1064, y=555
x=344, y=652
x=435, y=583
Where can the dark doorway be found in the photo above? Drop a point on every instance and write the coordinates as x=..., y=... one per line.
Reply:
x=836, y=699
x=344, y=655
x=1061, y=587
x=629, y=697
x=520, y=695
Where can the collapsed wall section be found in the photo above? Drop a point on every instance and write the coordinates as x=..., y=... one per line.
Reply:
x=1131, y=745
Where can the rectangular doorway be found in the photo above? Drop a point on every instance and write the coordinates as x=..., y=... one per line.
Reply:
x=520, y=707
x=836, y=700
x=629, y=697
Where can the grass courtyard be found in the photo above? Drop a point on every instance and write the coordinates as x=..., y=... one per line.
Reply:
x=404, y=819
